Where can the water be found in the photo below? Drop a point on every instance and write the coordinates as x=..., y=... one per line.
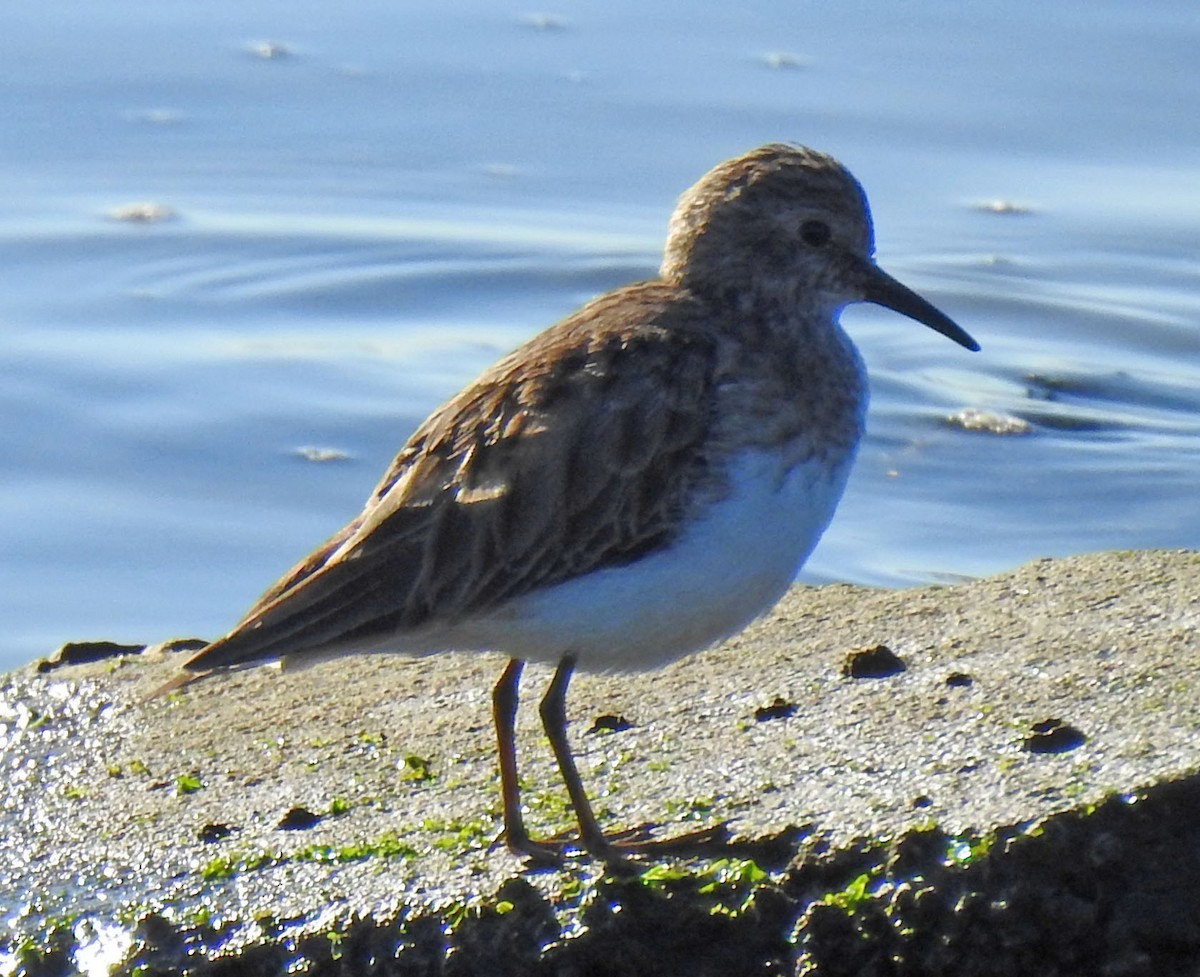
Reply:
x=395, y=197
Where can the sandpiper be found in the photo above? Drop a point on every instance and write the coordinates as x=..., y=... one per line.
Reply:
x=634, y=484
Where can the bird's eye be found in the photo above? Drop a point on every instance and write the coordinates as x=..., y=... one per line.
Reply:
x=815, y=234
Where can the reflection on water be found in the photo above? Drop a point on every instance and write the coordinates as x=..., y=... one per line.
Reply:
x=194, y=396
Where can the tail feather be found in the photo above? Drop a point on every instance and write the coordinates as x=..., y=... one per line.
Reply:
x=180, y=681
x=340, y=606
x=347, y=591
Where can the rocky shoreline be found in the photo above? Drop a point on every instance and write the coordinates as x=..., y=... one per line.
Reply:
x=994, y=777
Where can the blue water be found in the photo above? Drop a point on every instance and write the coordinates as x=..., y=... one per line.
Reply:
x=396, y=197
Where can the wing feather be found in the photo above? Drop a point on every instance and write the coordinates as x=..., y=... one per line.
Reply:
x=578, y=451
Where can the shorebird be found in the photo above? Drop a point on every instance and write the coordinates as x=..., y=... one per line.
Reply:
x=635, y=483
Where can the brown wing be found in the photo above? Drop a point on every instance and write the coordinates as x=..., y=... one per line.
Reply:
x=574, y=452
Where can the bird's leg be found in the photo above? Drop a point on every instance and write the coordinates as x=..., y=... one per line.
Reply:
x=554, y=720
x=504, y=712
x=633, y=842
x=553, y=710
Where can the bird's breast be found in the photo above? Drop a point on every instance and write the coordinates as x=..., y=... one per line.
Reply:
x=732, y=558
x=790, y=388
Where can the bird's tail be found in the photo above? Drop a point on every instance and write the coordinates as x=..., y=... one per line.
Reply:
x=180, y=681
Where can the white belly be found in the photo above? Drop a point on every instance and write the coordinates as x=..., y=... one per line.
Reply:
x=729, y=566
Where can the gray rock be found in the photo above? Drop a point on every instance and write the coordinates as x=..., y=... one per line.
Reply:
x=898, y=824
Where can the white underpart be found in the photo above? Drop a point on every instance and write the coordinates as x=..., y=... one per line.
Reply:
x=729, y=565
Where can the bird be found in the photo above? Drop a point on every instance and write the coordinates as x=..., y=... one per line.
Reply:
x=634, y=484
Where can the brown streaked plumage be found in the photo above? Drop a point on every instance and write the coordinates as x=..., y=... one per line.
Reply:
x=634, y=483
x=578, y=450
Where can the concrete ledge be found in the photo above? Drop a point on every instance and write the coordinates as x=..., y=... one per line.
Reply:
x=1008, y=785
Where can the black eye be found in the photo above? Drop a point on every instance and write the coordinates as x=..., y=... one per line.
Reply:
x=815, y=234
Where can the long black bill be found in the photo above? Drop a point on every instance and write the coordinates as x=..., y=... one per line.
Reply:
x=882, y=289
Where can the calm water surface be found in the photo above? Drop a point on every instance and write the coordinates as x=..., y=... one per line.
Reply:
x=373, y=203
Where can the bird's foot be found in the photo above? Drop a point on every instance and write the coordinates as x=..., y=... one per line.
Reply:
x=616, y=849
x=639, y=841
x=539, y=854
x=552, y=852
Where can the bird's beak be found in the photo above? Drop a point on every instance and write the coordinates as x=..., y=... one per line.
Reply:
x=882, y=289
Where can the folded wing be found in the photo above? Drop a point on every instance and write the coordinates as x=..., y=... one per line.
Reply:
x=573, y=453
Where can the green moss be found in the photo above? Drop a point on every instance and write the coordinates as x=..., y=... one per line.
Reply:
x=726, y=885
x=1007, y=763
x=571, y=889
x=733, y=883
x=187, y=783
x=457, y=835
x=339, y=806
x=552, y=804
x=849, y=899
x=226, y=866
x=388, y=845
x=418, y=769
x=335, y=944
x=692, y=808
x=962, y=850
x=663, y=872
